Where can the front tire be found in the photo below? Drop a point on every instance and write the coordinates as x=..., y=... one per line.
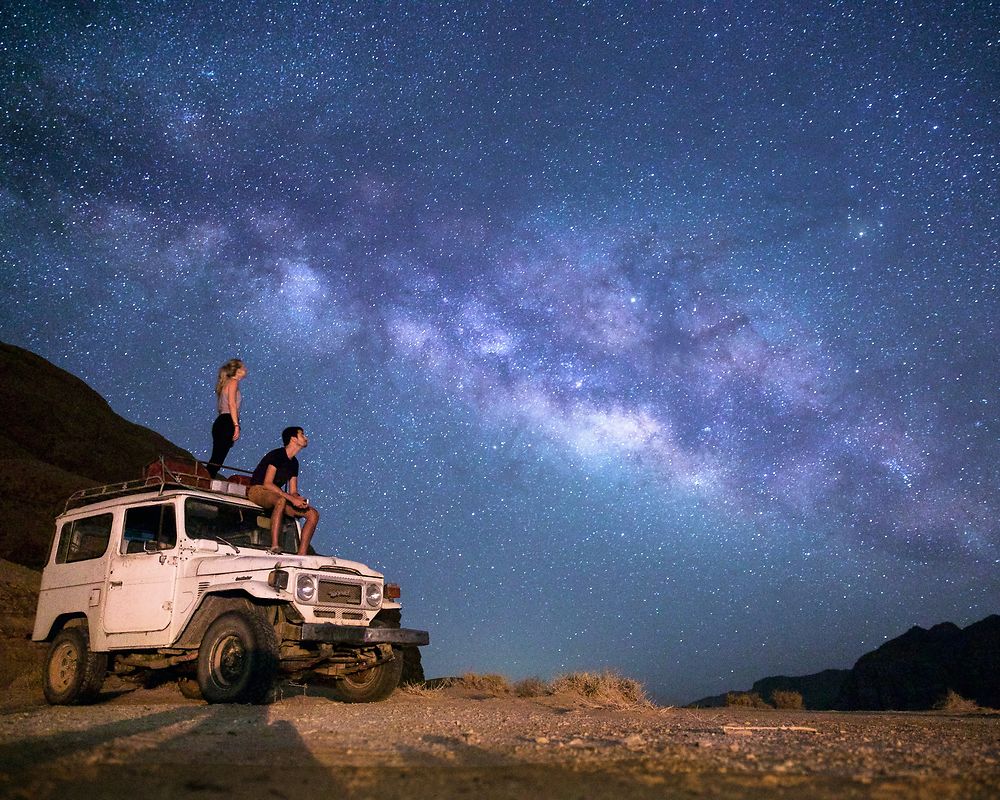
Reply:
x=370, y=685
x=72, y=673
x=238, y=659
x=377, y=683
x=413, y=669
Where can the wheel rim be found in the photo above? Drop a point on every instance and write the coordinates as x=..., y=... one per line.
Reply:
x=229, y=659
x=363, y=679
x=63, y=666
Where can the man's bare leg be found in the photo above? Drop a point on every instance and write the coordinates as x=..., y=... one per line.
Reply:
x=308, y=529
x=277, y=519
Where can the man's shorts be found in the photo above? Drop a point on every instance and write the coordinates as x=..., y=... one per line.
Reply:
x=261, y=496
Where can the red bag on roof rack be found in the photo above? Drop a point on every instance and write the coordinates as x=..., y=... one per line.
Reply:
x=172, y=469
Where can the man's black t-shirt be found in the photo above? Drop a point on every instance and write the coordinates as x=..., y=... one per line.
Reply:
x=285, y=468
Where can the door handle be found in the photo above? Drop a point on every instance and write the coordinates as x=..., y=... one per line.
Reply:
x=113, y=584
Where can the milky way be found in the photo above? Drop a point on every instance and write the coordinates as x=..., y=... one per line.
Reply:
x=657, y=338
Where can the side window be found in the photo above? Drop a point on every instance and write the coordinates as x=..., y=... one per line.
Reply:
x=146, y=524
x=83, y=539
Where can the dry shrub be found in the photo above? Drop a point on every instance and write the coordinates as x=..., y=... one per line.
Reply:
x=953, y=701
x=531, y=687
x=423, y=689
x=745, y=700
x=787, y=699
x=496, y=685
x=441, y=683
x=604, y=688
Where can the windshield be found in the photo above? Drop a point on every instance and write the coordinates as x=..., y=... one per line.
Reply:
x=238, y=525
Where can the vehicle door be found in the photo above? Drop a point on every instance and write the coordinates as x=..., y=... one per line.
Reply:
x=143, y=571
x=74, y=578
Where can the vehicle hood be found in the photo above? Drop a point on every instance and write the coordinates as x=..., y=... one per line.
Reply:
x=244, y=563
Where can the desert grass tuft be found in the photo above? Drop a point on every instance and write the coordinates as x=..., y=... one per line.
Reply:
x=532, y=687
x=953, y=701
x=787, y=700
x=746, y=700
x=606, y=688
x=424, y=690
x=491, y=683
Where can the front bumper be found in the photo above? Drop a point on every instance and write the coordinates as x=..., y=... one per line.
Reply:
x=360, y=635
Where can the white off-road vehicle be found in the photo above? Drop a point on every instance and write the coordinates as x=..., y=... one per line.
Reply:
x=172, y=572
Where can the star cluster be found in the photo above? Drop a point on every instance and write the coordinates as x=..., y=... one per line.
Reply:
x=659, y=338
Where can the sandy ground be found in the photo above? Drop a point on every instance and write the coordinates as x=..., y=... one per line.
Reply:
x=457, y=743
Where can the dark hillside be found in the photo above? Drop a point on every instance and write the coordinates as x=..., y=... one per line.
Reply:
x=916, y=670
x=819, y=691
x=913, y=672
x=57, y=435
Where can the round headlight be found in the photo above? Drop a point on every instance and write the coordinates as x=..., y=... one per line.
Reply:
x=373, y=594
x=305, y=588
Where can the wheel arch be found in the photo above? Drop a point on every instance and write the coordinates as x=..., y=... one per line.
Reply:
x=213, y=605
x=71, y=619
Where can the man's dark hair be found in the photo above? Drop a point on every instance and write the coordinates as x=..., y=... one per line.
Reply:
x=290, y=433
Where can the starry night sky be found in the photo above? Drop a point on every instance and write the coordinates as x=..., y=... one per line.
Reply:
x=657, y=337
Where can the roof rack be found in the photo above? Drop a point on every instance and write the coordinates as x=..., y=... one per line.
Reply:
x=167, y=472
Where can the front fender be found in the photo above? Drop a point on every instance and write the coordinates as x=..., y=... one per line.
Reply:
x=213, y=605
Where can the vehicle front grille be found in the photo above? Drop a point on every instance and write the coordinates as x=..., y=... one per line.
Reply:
x=339, y=593
x=331, y=613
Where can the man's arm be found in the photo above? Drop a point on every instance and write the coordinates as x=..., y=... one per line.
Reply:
x=292, y=497
x=293, y=487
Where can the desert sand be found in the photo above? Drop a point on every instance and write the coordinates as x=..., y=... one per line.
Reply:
x=456, y=742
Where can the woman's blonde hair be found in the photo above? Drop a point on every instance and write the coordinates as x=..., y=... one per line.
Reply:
x=227, y=371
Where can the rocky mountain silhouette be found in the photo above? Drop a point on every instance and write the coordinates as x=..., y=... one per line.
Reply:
x=57, y=435
x=914, y=671
x=911, y=672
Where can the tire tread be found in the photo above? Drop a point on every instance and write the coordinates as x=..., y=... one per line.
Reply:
x=263, y=646
x=88, y=682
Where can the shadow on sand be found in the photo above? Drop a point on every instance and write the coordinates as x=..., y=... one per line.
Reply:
x=194, y=750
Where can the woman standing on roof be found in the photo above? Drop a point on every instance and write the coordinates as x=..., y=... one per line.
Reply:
x=226, y=429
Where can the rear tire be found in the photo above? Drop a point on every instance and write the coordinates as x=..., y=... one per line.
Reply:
x=238, y=659
x=72, y=673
